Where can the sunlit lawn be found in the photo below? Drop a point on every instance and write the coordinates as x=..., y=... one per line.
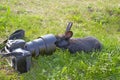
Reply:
x=98, y=18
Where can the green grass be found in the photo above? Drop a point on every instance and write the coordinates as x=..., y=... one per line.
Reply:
x=99, y=18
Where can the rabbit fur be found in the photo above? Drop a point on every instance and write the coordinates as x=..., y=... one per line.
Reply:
x=86, y=44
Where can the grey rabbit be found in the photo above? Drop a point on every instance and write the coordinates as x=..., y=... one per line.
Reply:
x=86, y=44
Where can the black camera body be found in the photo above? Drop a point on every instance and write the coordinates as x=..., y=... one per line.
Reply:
x=16, y=56
x=19, y=53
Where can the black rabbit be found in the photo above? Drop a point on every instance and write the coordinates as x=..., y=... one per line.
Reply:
x=74, y=45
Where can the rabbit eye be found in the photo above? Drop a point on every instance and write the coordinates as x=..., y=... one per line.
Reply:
x=62, y=43
x=59, y=40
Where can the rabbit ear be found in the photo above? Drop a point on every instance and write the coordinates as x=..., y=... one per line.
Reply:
x=69, y=26
x=68, y=34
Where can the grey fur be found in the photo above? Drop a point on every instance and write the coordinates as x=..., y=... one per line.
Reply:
x=86, y=44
